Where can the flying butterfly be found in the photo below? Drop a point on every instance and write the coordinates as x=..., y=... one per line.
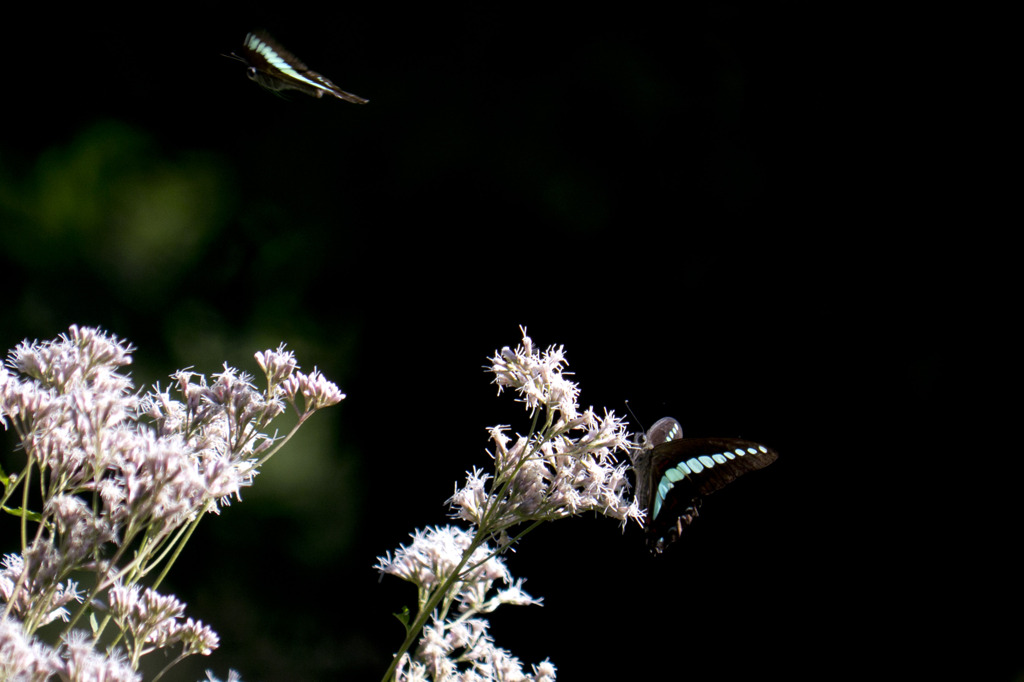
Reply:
x=674, y=474
x=275, y=68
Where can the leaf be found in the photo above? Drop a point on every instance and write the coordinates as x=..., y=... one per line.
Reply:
x=19, y=512
x=403, y=617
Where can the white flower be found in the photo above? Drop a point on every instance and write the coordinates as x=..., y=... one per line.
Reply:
x=278, y=364
x=23, y=657
x=316, y=391
x=551, y=478
x=232, y=677
x=122, y=474
x=537, y=377
x=84, y=664
x=566, y=465
x=434, y=554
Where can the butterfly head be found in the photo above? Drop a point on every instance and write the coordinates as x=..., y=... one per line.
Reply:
x=664, y=430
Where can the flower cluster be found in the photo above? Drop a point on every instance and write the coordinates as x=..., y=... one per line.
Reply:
x=124, y=479
x=564, y=466
x=563, y=469
x=434, y=556
x=26, y=659
x=536, y=376
x=468, y=642
x=153, y=621
x=457, y=645
x=544, y=478
x=53, y=598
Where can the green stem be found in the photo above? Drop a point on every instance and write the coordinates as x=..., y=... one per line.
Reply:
x=277, y=447
x=428, y=608
x=181, y=545
x=496, y=552
x=24, y=546
x=479, y=538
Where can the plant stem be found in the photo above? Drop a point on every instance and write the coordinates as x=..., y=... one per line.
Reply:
x=428, y=608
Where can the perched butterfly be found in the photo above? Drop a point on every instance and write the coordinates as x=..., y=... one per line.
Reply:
x=673, y=474
x=275, y=68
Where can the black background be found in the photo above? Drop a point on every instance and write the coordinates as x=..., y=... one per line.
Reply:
x=715, y=209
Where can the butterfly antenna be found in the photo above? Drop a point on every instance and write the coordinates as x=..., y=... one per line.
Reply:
x=637, y=420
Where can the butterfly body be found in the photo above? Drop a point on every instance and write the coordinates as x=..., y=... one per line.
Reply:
x=674, y=474
x=276, y=69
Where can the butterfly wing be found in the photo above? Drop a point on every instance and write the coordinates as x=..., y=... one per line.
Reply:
x=275, y=68
x=675, y=473
x=709, y=464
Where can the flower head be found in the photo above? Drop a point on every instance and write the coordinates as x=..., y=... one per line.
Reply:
x=537, y=377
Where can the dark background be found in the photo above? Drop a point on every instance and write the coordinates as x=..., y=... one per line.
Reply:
x=716, y=210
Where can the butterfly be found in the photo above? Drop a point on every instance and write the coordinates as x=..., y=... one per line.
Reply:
x=673, y=474
x=275, y=68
